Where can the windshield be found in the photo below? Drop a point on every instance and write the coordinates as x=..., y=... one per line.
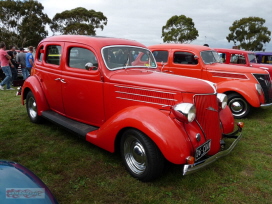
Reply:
x=210, y=57
x=119, y=57
x=252, y=58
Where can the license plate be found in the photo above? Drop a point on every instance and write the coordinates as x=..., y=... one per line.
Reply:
x=202, y=150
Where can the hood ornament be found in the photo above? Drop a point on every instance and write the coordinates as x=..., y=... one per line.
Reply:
x=211, y=109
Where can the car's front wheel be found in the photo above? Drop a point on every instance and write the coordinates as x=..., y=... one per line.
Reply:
x=31, y=108
x=141, y=156
x=239, y=107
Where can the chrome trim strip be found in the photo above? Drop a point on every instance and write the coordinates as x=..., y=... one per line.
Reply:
x=144, y=101
x=144, y=89
x=190, y=168
x=145, y=96
x=229, y=73
x=265, y=105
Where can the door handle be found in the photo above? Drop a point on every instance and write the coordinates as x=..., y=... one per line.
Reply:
x=63, y=81
x=167, y=71
x=57, y=79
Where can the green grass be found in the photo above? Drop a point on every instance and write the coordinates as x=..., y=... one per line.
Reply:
x=79, y=172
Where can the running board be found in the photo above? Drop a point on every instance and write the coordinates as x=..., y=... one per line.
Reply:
x=77, y=127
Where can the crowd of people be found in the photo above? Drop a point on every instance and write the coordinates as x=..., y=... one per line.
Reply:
x=10, y=61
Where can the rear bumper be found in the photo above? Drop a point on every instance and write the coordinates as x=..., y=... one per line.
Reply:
x=190, y=168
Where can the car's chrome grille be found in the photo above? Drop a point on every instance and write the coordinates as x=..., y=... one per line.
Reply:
x=265, y=82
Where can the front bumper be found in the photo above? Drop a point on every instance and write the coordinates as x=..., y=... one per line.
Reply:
x=191, y=168
x=267, y=104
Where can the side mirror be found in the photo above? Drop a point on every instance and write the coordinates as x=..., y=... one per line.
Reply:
x=196, y=57
x=89, y=66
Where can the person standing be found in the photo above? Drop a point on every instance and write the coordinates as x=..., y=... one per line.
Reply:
x=5, y=61
x=13, y=64
x=29, y=59
x=21, y=59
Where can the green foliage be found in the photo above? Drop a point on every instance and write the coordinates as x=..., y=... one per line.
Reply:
x=78, y=21
x=179, y=29
x=250, y=33
x=22, y=23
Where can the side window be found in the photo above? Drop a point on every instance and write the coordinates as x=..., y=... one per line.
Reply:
x=184, y=58
x=222, y=57
x=53, y=54
x=161, y=56
x=79, y=57
x=40, y=55
x=237, y=59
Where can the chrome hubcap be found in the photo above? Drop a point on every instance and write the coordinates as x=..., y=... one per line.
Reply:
x=238, y=106
x=32, y=107
x=135, y=155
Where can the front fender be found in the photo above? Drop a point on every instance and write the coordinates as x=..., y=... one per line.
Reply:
x=227, y=120
x=32, y=84
x=246, y=89
x=169, y=137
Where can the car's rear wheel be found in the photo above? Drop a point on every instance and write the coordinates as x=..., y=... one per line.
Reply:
x=239, y=107
x=141, y=156
x=31, y=108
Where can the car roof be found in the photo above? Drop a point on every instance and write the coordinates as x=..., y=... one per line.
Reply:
x=263, y=53
x=232, y=50
x=179, y=46
x=97, y=40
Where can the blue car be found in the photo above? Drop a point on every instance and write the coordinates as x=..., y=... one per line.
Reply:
x=19, y=185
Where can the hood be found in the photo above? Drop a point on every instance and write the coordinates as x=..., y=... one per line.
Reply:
x=263, y=66
x=234, y=68
x=154, y=79
x=19, y=185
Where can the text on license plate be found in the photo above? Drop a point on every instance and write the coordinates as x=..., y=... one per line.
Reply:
x=202, y=150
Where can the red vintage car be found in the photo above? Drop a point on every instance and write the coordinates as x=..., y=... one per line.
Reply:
x=242, y=58
x=245, y=87
x=96, y=88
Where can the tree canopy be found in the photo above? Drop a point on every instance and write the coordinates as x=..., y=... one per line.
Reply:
x=179, y=29
x=250, y=33
x=78, y=21
x=22, y=22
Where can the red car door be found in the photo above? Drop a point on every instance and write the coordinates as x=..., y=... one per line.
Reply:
x=82, y=89
x=48, y=70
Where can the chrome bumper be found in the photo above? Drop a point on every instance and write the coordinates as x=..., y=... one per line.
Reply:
x=267, y=104
x=190, y=168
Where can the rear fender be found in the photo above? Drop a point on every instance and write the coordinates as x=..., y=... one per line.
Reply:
x=169, y=137
x=32, y=84
x=247, y=90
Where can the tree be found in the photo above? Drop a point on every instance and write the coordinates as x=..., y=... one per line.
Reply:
x=22, y=22
x=250, y=33
x=179, y=29
x=79, y=21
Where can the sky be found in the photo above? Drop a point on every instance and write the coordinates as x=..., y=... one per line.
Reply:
x=142, y=20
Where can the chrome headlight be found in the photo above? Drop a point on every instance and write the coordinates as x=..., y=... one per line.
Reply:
x=259, y=88
x=223, y=100
x=185, y=111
